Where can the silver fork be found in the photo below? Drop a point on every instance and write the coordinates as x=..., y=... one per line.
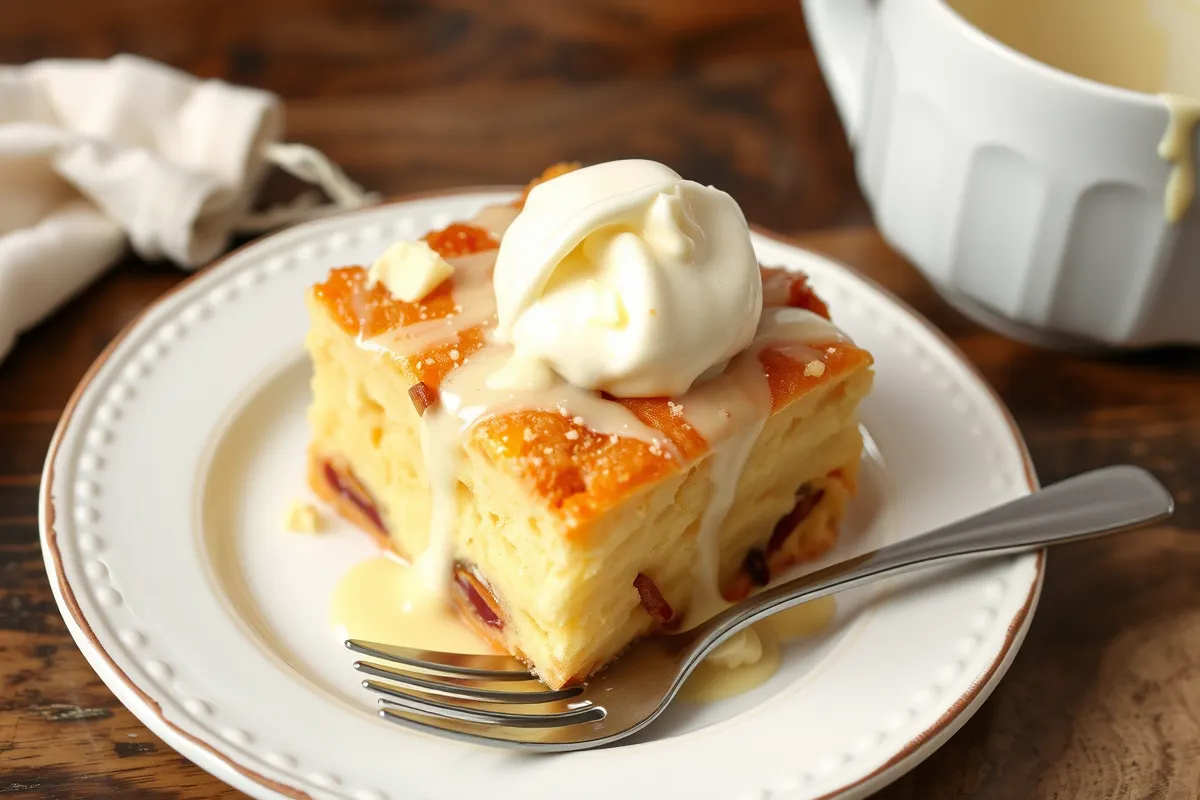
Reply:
x=456, y=695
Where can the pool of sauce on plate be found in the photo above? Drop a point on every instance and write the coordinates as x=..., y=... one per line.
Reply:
x=713, y=680
x=384, y=600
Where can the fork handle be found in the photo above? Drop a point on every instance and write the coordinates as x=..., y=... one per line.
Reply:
x=1093, y=504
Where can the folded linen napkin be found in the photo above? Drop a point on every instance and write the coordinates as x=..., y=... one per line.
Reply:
x=98, y=156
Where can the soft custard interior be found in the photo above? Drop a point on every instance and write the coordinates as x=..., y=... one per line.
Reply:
x=565, y=588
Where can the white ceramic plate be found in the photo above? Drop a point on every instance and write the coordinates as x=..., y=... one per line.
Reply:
x=168, y=477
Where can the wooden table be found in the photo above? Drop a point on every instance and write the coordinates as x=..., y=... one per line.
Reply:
x=1104, y=698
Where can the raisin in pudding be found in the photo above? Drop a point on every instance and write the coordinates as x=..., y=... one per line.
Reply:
x=588, y=415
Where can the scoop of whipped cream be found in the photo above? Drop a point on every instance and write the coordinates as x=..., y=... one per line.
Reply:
x=623, y=277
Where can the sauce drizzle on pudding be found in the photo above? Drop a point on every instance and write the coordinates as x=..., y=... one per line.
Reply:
x=729, y=410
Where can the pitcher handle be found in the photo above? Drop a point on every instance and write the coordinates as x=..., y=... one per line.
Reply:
x=840, y=32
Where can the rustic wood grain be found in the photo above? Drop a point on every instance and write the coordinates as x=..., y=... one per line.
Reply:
x=1103, y=699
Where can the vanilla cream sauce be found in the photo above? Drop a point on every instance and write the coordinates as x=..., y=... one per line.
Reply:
x=383, y=600
x=716, y=679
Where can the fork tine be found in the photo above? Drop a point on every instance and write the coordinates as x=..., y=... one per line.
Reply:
x=492, y=668
x=482, y=714
x=544, y=740
x=462, y=688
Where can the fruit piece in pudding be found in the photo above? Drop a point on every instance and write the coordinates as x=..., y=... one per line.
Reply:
x=588, y=415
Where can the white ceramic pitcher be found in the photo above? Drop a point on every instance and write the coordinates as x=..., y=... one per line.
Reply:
x=1033, y=199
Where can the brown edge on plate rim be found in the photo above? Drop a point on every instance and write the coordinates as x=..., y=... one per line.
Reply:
x=71, y=604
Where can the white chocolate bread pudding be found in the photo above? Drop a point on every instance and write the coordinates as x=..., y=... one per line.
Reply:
x=588, y=415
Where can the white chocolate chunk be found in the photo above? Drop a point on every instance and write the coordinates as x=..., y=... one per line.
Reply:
x=409, y=270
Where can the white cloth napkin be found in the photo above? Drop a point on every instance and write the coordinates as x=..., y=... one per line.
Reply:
x=96, y=156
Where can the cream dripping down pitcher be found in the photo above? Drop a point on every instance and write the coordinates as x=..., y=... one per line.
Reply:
x=1043, y=181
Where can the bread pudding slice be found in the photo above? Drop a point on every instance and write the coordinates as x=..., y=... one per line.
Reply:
x=578, y=522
